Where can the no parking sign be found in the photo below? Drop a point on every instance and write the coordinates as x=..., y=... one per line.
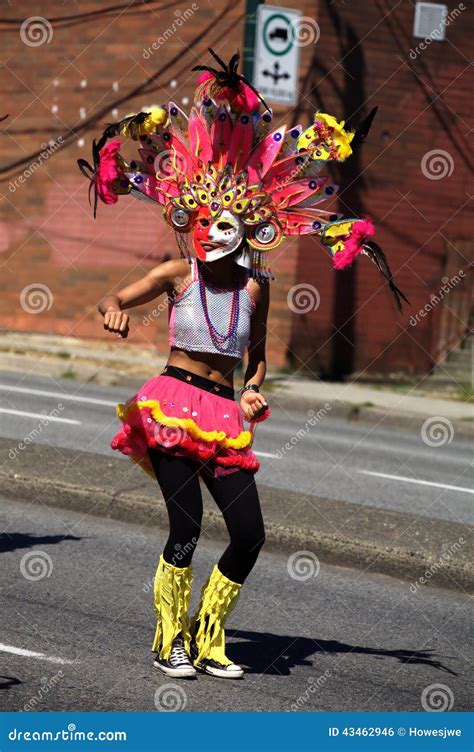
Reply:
x=277, y=54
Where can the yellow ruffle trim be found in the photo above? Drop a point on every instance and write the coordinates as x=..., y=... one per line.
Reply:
x=243, y=440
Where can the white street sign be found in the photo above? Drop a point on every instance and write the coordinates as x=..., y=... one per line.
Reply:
x=277, y=54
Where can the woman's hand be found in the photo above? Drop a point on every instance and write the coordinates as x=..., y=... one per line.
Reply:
x=116, y=321
x=253, y=405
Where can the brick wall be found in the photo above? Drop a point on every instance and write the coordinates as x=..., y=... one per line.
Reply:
x=424, y=105
x=47, y=234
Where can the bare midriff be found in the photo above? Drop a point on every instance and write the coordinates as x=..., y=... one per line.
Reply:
x=218, y=368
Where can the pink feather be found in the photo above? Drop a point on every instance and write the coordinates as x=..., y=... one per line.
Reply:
x=265, y=155
x=240, y=142
x=301, y=222
x=295, y=192
x=285, y=170
x=221, y=130
x=107, y=172
x=199, y=142
x=148, y=157
x=176, y=151
x=360, y=231
x=158, y=190
x=242, y=98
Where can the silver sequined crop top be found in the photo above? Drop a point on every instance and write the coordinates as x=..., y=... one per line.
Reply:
x=189, y=330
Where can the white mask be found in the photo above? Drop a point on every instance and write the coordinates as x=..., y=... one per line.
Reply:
x=224, y=237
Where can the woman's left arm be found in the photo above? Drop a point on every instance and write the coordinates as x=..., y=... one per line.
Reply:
x=254, y=404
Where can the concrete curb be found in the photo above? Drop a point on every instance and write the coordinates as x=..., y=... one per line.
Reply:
x=352, y=535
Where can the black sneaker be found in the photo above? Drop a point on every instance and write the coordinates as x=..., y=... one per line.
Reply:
x=178, y=664
x=214, y=668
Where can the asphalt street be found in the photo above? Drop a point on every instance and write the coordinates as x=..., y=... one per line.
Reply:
x=329, y=457
x=77, y=625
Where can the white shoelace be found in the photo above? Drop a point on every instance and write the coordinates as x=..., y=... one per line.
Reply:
x=178, y=654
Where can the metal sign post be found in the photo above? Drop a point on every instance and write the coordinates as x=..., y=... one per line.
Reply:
x=277, y=54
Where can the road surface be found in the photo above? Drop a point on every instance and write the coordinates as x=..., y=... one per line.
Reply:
x=381, y=467
x=77, y=626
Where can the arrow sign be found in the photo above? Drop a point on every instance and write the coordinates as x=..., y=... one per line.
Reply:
x=277, y=54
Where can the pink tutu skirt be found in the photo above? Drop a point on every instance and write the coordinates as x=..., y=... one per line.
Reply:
x=188, y=416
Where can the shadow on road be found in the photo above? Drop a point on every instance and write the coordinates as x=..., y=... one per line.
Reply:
x=267, y=653
x=12, y=541
x=8, y=681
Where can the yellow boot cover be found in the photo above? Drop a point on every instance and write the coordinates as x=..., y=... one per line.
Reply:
x=219, y=598
x=172, y=594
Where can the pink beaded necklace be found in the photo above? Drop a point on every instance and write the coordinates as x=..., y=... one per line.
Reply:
x=218, y=338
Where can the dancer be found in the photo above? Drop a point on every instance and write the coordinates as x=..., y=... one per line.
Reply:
x=235, y=188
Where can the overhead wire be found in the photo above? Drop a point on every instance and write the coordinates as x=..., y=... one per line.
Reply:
x=7, y=172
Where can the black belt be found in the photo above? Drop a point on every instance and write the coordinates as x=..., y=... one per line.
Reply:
x=222, y=390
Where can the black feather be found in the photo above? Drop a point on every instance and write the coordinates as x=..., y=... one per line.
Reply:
x=375, y=253
x=228, y=76
x=90, y=171
x=362, y=130
x=226, y=68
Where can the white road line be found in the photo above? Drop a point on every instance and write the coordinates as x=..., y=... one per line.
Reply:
x=57, y=395
x=267, y=454
x=415, y=480
x=33, y=654
x=41, y=416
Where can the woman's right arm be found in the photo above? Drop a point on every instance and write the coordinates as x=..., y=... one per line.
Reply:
x=161, y=279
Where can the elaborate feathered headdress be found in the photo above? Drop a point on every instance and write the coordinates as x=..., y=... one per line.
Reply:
x=230, y=182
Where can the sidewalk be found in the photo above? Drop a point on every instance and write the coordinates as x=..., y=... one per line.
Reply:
x=374, y=404
x=102, y=362
x=123, y=364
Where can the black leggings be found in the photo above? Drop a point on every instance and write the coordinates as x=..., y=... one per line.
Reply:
x=235, y=495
